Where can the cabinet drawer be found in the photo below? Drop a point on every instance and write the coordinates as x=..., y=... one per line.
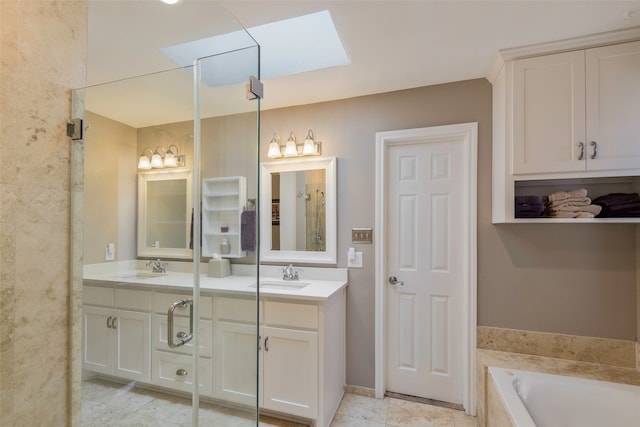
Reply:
x=236, y=309
x=97, y=295
x=167, y=365
x=291, y=314
x=162, y=301
x=181, y=324
x=132, y=299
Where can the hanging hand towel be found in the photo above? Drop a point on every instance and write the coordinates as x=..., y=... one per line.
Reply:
x=248, y=231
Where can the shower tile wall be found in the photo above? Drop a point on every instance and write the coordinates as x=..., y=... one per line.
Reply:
x=42, y=56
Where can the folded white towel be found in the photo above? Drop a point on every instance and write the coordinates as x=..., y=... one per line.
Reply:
x=571, y=201
x=561, y=195
x=592, y=209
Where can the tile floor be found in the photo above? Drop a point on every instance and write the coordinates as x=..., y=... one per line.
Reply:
x=107, y=404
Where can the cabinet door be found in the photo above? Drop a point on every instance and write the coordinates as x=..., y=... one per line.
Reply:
x=613, y=106
x=98, y=339
x=290, y=371
x=133, y=343
x=548, y=114
x=235, y=362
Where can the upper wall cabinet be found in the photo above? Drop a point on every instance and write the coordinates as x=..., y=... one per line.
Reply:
x=565, y=114
x=577, y=111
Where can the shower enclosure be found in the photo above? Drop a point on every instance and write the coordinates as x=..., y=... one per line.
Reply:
x=152, y=237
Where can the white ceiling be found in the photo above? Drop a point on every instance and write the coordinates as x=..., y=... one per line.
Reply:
x=392, y=44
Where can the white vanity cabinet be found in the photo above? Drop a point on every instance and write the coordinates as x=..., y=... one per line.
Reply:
x=117, y=332
x=301, y=356
x=577, y=111
x=172, y=367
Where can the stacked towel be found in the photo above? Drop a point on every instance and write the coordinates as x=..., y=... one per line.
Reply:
x=616, y=205
x=570, y=204
x=529, y=206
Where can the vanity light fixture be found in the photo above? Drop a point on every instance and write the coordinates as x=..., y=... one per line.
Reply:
x=274, y=147
x=292, y=149
x=145, y=161
x=171, y=157
x=309, y=147
x=161, y=158
x=156, y=159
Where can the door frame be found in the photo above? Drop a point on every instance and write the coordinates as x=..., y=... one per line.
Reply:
x=467, y=133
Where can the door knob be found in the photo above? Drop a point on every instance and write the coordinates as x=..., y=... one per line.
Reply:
x=393, y=280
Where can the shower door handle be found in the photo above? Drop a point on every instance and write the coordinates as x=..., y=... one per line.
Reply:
x=184, y=337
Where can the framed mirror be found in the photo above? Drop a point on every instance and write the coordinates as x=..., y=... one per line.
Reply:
x=164, y=214
x=298, y=218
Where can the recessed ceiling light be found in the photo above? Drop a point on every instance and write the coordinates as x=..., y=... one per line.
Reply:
x=170, y=1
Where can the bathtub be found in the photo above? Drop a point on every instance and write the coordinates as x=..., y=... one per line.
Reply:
x=533, y=399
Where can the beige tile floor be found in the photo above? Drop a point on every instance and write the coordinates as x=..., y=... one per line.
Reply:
x=107, y=404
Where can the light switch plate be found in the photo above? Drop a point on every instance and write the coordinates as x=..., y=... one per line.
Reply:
x=361, y=235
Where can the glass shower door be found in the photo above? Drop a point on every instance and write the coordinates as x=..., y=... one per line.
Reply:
x=166, y=181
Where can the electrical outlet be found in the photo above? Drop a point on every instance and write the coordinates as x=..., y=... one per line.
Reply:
x=361, y=235
x=355, y=262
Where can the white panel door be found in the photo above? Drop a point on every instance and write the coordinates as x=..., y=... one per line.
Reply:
x=613, y=107
x=548, y=114
x=426, y=195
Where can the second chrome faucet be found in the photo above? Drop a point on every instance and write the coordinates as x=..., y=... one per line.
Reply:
x=290, y=273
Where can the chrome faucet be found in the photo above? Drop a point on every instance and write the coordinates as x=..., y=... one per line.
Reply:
x=157, y=266
x=290, y=273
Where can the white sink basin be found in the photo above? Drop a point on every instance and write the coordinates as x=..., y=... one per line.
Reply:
x=281, y=286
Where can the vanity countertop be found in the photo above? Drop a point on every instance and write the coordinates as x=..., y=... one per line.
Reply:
x=314, y=284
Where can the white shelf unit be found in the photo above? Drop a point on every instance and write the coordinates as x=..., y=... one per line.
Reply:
x=223, y=200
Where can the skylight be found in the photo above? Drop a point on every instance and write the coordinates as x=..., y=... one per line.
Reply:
x=290, y=46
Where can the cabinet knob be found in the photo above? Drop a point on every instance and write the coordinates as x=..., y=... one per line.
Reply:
x=182, y=372
x=182, y=335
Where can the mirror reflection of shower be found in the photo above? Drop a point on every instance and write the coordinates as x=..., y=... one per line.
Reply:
x=315, y=216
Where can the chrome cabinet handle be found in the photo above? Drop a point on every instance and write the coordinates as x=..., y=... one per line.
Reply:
x=182, y=372
x=172, y=309
x=109, y=322
x=595, y=149
x=393, y=280
x=266, y=344
x=581, y=146
x=114, y=323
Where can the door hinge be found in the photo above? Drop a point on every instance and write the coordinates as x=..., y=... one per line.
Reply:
x=255, y=89
x=74, y=129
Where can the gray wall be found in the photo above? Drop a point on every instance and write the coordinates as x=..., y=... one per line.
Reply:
x=110, y=178
x=563, y=278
